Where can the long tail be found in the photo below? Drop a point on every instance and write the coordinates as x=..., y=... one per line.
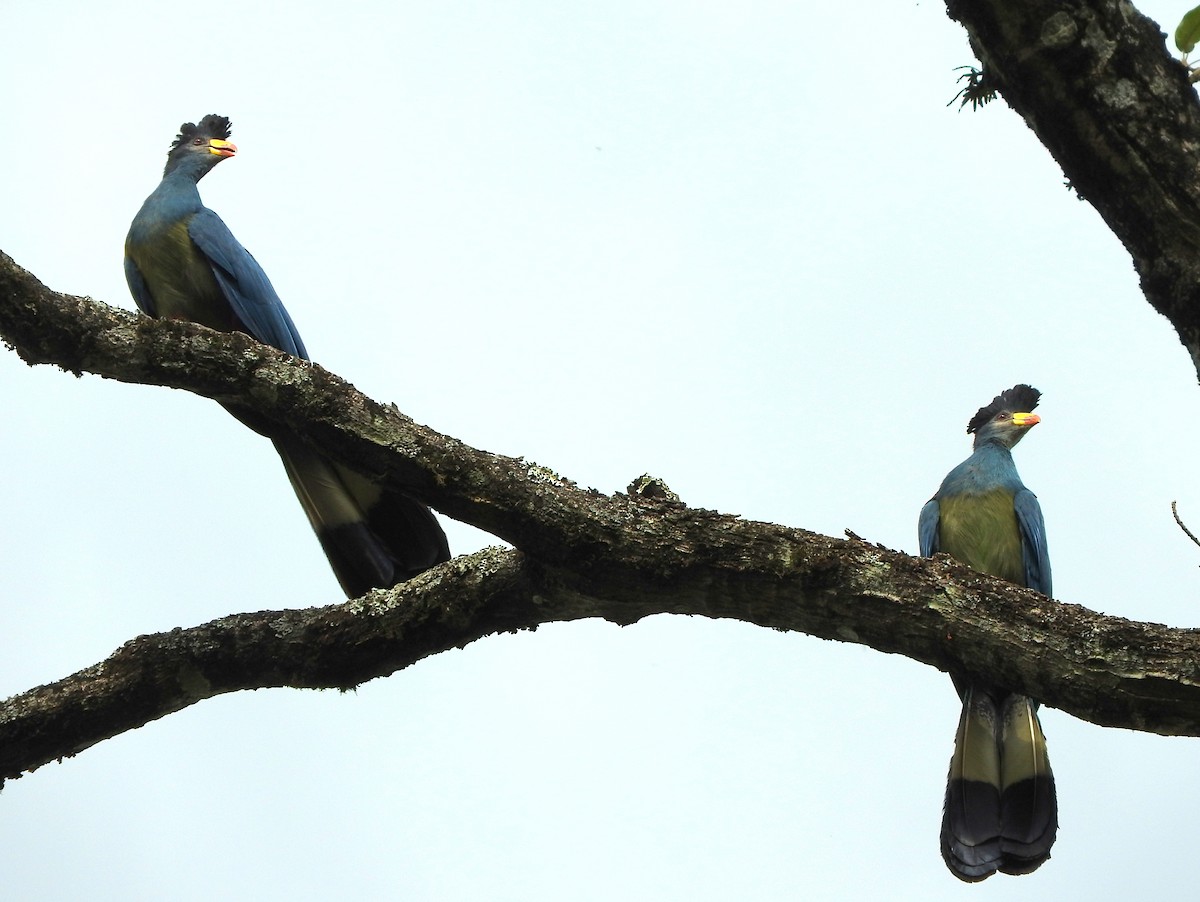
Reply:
x=373, y=539
x=1001, y=812
x=1029, y=806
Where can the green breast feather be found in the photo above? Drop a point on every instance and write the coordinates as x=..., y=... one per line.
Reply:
x=181, y=280
x=982, y=532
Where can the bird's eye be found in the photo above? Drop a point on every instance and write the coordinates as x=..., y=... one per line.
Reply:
x=1001, y=416
x=198, y=141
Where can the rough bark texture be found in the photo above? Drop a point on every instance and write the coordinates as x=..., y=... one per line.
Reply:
x=1096, y=83
x=581, y=554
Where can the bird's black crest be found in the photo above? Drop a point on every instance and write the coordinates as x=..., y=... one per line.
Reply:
x=1019, y=399
x=211, y=126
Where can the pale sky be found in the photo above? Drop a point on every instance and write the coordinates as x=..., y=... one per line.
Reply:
x=752, y=253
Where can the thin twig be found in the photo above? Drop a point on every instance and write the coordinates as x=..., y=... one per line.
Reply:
x=1186, y=531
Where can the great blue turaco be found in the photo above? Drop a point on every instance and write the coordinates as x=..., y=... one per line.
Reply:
x=1001, y=811
x=182, y=262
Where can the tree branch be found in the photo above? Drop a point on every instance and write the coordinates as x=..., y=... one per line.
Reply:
x=1094, y=81
x=581, y=554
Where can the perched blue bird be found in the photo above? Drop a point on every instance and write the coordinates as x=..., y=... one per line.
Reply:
x=182, y=262
x=1001, y=811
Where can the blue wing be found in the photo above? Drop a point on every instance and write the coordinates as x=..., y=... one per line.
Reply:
x=244, y=284
x=137, y=287
x=927, y=528
x=1033, y=541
